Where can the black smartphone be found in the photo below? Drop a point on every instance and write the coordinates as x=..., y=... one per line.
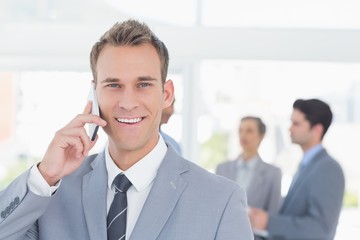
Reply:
x=93, y=128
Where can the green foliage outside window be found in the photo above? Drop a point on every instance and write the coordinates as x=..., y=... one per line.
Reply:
x=214, y=151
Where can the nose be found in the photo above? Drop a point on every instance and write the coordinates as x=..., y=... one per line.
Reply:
x=291, y=128
x=128, y=99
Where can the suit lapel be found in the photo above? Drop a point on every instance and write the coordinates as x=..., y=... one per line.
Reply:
x=163, y=197
x=233, y=168
x=94, y=194
x=301, y=178
x=256, y=181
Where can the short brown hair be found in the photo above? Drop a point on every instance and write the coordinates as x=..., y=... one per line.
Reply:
x=260, y=124
x=130, y=33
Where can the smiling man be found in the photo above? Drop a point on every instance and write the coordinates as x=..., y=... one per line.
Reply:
x=138, y=188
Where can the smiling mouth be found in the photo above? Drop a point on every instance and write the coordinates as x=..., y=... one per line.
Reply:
x=129, y=120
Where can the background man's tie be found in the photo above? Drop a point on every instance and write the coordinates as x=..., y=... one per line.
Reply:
x=116, y=220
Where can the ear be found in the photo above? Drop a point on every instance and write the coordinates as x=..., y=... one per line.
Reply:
x=318, y=129
x=168, y=96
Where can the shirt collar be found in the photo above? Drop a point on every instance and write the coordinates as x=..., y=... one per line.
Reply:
x=251, y=163
x=142, y=173
x=310, y=154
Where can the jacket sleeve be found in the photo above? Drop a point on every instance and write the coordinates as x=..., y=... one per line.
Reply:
x=19, y=209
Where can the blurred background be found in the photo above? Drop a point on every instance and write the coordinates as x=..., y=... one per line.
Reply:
x=228, y=59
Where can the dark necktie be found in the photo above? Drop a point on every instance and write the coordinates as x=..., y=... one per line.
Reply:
x=116, y=219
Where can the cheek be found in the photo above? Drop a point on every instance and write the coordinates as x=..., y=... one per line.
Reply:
x=292, y=130
x=254, y=140
x=105, y=109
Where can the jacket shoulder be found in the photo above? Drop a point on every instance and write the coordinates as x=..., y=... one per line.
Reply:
x=206, y=179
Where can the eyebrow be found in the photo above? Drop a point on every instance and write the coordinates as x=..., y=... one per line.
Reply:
x=110, y=80
x=147, y=78
x=115, y=80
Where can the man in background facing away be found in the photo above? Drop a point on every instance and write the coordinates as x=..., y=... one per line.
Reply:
x=166, y=114
x=312, y=206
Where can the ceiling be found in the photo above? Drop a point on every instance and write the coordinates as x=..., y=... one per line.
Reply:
x=58, y=34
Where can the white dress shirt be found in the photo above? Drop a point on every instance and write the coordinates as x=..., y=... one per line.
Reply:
x=141, y=175
x=245, y=170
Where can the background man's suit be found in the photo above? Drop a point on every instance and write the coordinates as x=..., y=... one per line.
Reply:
x=312, y=206
x=264, y=190
x=185, y=202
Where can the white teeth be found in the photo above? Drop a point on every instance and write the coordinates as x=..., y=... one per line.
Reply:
x=129, y=120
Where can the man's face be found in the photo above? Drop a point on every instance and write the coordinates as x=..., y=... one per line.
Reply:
x=250, y=137
x=300, y=130
x=131, y=97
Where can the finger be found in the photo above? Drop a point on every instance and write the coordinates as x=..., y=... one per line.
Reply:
x=88, y=107
x=79, y=132
x=81, y=119
x=87, y=143
x=70, y=144
x=82, y=134
x=79, y=148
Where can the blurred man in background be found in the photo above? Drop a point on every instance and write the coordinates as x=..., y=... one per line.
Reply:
x=166, y=114
x=312, y=206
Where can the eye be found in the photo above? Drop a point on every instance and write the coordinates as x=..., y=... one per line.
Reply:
x=113, y=85
x=144, y=84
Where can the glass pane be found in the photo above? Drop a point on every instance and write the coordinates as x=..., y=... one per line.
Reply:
x=230, y=90
x=282, y=13
x=37, y=105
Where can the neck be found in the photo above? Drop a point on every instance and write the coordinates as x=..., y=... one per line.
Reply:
x=306, y=147
x=247, y=155
x=125, y=158
x=126, y=161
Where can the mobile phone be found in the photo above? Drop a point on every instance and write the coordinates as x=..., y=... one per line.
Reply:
x=93, y=128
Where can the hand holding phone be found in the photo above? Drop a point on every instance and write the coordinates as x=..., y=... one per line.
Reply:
x=93, y=128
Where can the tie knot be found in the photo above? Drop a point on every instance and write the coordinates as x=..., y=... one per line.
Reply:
x=122, y=183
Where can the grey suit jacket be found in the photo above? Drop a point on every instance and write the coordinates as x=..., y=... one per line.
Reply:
x=185, y=202
x=264, y=190
x=312, y=206
x=169, y=140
